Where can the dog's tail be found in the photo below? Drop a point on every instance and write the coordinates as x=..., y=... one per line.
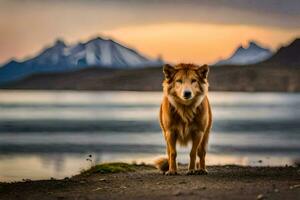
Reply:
x=162, y=164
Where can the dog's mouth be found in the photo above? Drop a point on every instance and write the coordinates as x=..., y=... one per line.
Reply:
x=186, y=100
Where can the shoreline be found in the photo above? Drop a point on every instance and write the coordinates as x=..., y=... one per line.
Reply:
x=124, y=181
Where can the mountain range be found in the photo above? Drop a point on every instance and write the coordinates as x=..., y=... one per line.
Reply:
x=96, y=63
x=63, y=58
x=280, y=72
x=249, y=55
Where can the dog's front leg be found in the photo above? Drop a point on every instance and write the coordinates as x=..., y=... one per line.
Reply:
x=202, y=153
x=171, y=142
x=193, y=154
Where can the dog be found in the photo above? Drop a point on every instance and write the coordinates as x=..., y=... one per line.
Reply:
x=185, y=115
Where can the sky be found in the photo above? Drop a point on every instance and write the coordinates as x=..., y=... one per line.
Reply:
x=199, y=31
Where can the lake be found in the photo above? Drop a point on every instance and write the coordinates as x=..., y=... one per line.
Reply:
x=57, y=134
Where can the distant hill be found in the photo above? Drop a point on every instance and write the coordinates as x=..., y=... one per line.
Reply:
x=249, y=55
x=286, y=56
x=249, y=78
x=63, y=58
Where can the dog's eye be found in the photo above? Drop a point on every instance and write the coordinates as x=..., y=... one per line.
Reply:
x=194, y=80
x=178, y=81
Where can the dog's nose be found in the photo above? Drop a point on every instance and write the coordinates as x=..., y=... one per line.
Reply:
x=187, y=94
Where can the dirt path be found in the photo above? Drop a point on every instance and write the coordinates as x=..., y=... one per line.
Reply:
x=223, y=182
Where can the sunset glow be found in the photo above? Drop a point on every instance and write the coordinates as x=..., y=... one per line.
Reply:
x=178, y=42
x=187, y=31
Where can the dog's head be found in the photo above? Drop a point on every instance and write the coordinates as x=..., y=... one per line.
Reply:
x=186, y=83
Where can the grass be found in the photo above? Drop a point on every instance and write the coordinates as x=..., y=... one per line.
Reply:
x=113, y=168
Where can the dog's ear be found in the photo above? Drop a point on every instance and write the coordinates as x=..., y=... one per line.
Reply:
x=203, y=71
x=169, y=71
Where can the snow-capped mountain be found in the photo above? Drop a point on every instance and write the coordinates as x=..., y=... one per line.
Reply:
x=249, y=55
x=60, y=57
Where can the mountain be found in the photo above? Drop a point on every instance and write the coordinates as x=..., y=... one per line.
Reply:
x=288, y=55
x=250, y=55
x=63, y=58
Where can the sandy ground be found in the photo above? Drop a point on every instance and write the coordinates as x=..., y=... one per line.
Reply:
x=222, y=182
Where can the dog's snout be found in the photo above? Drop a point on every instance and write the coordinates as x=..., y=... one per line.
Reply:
x=187, y=94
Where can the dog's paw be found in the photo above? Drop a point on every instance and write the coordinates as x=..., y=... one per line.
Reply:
x=171, y=173
x=191, y=172
x=201, y=172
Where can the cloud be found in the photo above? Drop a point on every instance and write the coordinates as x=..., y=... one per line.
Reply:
x=271, y=13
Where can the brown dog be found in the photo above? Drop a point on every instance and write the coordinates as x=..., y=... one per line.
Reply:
x=185, y=115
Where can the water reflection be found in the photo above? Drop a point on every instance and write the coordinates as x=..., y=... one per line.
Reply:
x=50, y=134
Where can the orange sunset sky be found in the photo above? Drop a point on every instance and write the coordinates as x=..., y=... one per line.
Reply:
x=199, y=31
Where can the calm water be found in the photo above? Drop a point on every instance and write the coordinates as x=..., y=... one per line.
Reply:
x=50, y=134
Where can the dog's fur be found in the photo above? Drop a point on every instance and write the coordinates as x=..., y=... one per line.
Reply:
x=185, y=119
